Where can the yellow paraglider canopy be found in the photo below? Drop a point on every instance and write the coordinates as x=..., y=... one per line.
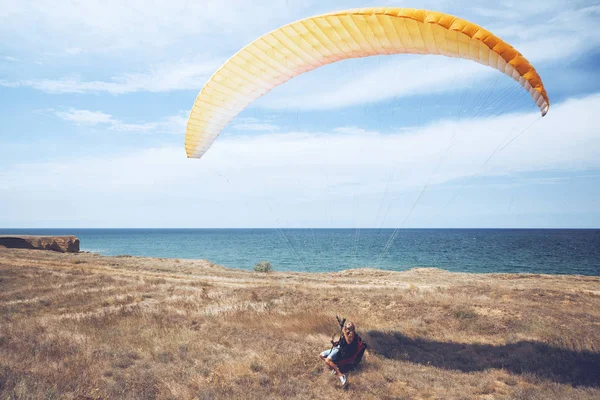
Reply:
x=304, y=45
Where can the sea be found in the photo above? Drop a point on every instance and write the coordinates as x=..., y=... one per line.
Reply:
x=539, y=251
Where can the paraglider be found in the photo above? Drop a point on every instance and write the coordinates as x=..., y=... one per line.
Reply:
x=310, y=43
x=304, y=45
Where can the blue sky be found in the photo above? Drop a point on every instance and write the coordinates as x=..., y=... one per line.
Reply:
x=94, y=99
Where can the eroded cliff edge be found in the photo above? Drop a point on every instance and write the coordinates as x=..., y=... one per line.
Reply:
x=63, y=244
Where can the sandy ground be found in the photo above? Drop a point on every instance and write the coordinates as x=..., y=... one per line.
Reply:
x=88, y=326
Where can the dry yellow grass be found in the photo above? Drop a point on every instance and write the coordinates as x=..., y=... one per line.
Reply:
x=82, y=326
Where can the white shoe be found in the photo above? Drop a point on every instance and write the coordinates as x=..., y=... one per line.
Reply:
x=343, y=380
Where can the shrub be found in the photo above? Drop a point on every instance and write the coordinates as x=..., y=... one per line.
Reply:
x=262, y=266
x=465, y=313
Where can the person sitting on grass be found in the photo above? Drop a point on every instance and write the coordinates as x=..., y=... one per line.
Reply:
x=346, y=346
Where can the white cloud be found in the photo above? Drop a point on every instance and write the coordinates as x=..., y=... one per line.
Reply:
x=85, y=117
x=254, y=125
x=173, y=124
x=114, y=25
x=161, y=78
x=176, y=124
x=11, y=59
x=74, y=50
x=517, y=10
x=352, y=130
x=557, y=37
x=241, y=177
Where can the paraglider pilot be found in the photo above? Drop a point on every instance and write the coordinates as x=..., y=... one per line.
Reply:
x=346, y=346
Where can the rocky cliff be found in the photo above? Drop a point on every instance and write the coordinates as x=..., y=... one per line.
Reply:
x=64, y=244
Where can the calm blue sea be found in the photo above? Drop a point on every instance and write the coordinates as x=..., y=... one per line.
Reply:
x=548, y=251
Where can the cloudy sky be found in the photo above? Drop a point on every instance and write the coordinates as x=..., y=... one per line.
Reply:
x=94, y=99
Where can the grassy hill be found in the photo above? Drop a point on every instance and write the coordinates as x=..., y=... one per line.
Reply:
x=83, y=326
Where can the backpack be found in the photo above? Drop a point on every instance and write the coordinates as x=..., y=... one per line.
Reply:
x=352, y=360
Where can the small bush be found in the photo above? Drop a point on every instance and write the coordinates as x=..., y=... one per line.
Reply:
x=465, y=313
x=262, y=266
x=255, y=366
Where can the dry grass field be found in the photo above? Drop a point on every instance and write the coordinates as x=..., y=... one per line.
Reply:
x=83, y=326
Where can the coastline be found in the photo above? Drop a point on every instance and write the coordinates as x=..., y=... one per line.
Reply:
x=82, y=324
x=324, y=250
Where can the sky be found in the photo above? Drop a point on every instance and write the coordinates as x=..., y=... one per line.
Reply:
x=94, y=99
